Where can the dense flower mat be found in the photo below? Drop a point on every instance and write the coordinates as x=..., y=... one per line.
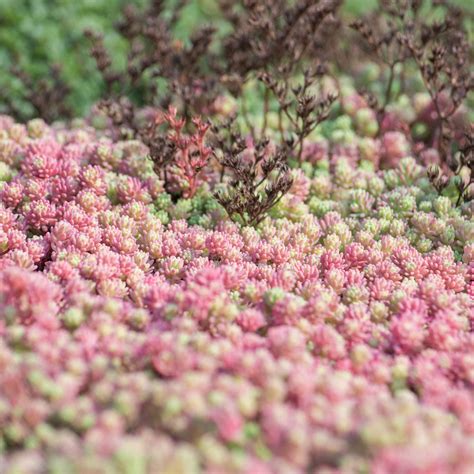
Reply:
x=144, y=335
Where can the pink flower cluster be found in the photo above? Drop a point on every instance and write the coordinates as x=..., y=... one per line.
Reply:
x=338, y=336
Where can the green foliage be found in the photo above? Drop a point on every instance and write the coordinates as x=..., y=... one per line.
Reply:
x=35, y=34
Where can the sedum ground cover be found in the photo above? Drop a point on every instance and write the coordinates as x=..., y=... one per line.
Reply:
x=140, y=333
x=242, y=260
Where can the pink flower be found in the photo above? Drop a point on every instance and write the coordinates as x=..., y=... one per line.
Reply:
x=12, y=194
x=355, y=256
x=394, y=147
x=229, y=422
x=301, y=185
x=36, y=189
x=47, y=147
x=408, y=331
x=286, y=341
x=321, y=306
x=63, y=188
x=451, y=273
x=77, y=216
x=328, y=342
x=290, y=444
x=131, y=189
x=288, y=310
x=410, y=262
x=93, y=177
x=168, y=358
x=31, y=295
x=40, y=166
x=332, y=259
x=61, y=270
x=41, y=215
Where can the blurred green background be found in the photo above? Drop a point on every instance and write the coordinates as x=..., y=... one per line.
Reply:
x=38, y=33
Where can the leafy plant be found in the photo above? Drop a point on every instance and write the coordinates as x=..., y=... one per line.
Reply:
x=259, y=176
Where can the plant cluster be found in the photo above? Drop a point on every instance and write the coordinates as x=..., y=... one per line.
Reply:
x=242, y=256
x=403, y=35
x=334, y=334
x=195, y=72
x=260, y=177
